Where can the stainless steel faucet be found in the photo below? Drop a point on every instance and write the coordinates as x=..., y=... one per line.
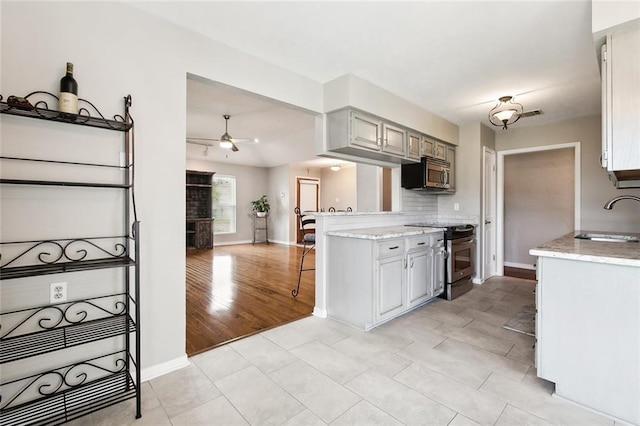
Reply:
x=611, y=202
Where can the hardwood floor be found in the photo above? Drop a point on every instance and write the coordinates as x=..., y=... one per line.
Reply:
x=234, y=291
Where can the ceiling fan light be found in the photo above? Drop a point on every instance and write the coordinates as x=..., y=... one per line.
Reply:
x=226, y=144
x=505, y=112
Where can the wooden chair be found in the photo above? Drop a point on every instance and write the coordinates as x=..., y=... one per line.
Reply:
x=307, y=223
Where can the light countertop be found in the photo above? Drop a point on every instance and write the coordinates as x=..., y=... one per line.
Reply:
x=568, y=247
x=382, y=233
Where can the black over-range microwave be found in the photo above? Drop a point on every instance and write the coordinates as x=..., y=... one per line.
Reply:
x=430, y=173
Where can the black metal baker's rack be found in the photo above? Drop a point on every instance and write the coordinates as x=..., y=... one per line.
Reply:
x=60, y=393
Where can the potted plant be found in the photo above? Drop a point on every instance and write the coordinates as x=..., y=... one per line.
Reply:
x=261, y=206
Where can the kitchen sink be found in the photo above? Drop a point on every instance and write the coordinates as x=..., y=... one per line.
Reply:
x=609, y=238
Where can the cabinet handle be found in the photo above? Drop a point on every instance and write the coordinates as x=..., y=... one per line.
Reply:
x=422, y=243
x=394, y=247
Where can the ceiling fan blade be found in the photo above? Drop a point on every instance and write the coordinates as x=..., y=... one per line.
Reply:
x=243, y=140
x=234, y=148
x=203, y=139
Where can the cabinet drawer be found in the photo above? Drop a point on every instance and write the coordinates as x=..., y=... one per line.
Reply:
x=418, y=242
x=390, y=248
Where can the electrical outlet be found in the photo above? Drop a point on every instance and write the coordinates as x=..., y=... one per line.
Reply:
x=57, y=292
x=456, y=206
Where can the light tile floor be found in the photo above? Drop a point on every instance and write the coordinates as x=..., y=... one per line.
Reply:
x=446, y=363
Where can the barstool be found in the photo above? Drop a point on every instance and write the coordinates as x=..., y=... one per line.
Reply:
x=308, y=226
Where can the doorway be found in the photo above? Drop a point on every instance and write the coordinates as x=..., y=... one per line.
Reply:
x=542, y=202
x=307, y=197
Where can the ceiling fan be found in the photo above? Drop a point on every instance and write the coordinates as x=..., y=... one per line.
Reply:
x=226, y=141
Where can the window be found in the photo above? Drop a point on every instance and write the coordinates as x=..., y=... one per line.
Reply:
x=224, y=204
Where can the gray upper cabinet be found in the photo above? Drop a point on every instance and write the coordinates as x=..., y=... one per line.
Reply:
x=413, y=145
x=366, y=136
x=393, y=140
x=621, y=107
x=366, y=131
x=432, y=148
x=451, y=159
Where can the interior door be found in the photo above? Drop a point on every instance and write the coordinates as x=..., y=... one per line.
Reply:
x=489, y=213
x=307, y=200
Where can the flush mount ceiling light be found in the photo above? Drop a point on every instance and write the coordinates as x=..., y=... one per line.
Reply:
x=505, y=112
x=335, y=167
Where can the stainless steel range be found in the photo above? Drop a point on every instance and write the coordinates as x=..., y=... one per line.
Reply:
x=459, y=258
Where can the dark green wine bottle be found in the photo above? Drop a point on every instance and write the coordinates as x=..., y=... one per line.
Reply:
x=68, y=99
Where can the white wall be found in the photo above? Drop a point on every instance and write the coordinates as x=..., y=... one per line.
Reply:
x=606, y=14
x=595, y=186
x=279, y=196
x=369, y=184
x=118, y=50
x=353, y=91
x=339, y=188
x=538, y=201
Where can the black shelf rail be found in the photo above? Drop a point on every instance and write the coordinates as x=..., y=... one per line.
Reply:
x=72, y=163
x=59, y=268
x=63, y=183
x=31, y=258
x=41, y=342
x=40, y=110
x=69, y=392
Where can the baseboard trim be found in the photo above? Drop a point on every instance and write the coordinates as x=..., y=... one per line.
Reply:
x=161, y=369
x=320, y=313
x=232, y=243
x=520, y=265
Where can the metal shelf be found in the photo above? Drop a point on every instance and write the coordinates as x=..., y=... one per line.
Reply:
x=55, y=396
x=58, y=268
x=73, y=403
x=77, y=119
x=62, y=183
x=27, y=345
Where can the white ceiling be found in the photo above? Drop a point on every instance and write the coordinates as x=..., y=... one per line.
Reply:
x=454, y=58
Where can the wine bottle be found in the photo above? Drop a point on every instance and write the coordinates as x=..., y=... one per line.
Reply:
x=68, y=100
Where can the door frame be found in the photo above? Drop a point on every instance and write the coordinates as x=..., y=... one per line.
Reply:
x=577, y=168
x=485, y=188
x=298, y=233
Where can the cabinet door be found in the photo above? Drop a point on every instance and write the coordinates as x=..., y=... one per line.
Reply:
x=365, y=131
x=413, y=146
x=438, y=268
x=624, y=93
x=427, y=147
x=451, y=158
x=419, y=272
x=393, y=139
x=390, y=298
x=204, y=235
x=440, y=151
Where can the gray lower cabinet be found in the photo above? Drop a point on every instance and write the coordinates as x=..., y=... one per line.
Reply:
x=372, y=281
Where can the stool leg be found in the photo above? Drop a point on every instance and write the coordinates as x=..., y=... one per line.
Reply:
x=305, y=252
x=294, y=292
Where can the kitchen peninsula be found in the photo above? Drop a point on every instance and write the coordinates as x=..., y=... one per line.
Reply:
x=327, y=223
x=379, y=273
x=588, y=322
